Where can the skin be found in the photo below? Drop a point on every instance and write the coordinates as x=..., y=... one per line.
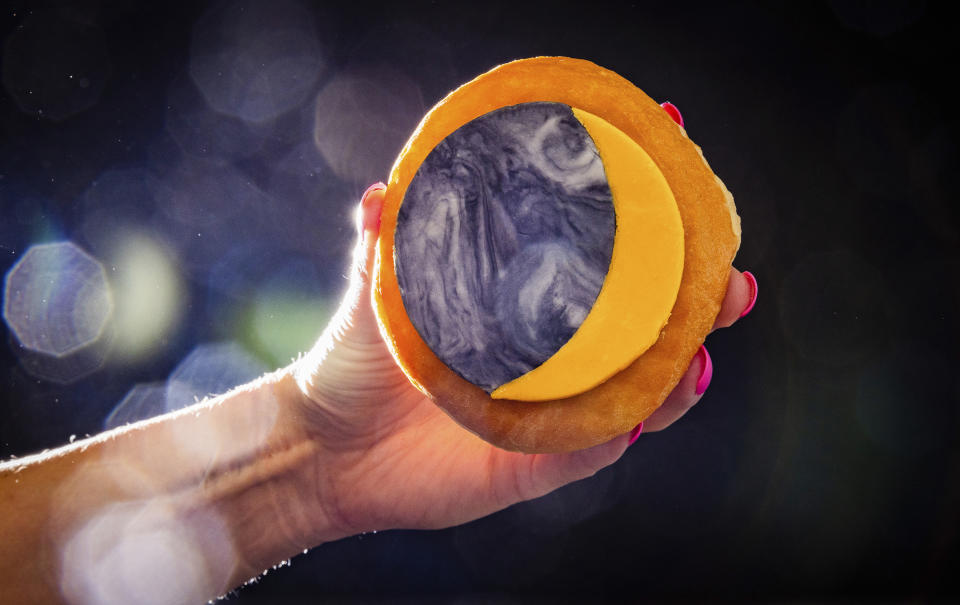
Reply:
x=192, y=504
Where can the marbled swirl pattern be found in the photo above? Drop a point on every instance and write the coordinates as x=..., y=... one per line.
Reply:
x=503, y=241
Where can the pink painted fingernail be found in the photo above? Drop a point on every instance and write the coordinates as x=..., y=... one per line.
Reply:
x=371, y=219
x=672, y=111
x=753, y=293
x=706, y=374
x=635, y=433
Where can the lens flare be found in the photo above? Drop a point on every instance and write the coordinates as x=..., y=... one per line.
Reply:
x=116, y=201
x=144, y=552
x=204, y=133
x=363, y=117
x=256, y=61
x=288, y=312
x=285, y=325
x=213, y=369
x=57, y=299
x=205, y=208
x=210, y=369
x=149, y=296
x=143, y=401
x=201, y=433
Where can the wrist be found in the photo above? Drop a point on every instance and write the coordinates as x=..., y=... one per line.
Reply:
x=195, y=502
x=270, y=499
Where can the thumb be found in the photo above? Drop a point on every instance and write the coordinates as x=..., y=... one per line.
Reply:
x=350, y=354
x=368, y=227
x=355, y=318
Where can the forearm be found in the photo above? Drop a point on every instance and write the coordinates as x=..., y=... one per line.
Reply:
x=194, y=502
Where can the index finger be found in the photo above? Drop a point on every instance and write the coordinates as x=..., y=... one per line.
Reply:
x=740, y=298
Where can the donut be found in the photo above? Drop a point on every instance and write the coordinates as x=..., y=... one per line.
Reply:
x=553, y=251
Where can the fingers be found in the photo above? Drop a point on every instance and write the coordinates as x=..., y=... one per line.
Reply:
x=547, y=472
x=686, y=394
x=673, y=112
x=742, y=287
x=741, y=297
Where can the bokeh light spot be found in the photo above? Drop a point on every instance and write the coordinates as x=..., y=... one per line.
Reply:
x=202, y=132
x=143, y=401
x=255, y=60
x=210, y=369
x=288, y=312
x=149, y=296
x=363, y=118
x=57, y=299
x=284, y=324
x=205, y=208
x=144, y=552
x=116, y=200
x=64, y=369
x=214, y=369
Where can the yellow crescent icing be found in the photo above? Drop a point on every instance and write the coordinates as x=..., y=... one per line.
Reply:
x=641, y=284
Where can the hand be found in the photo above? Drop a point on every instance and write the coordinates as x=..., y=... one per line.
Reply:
x=390, y=458
x=337, y=444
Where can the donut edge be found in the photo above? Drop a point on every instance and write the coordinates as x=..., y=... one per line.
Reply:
x=711, y=239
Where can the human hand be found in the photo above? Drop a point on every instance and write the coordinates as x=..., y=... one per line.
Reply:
x=390, y=458
x=336, y=444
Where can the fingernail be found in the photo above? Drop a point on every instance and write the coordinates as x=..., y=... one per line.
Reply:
x=706, y=374
x=753, y=293
x=672, y=111
x=635, y=433
x=371, y=220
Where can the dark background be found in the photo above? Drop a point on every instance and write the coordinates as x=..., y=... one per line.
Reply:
x=823, y=461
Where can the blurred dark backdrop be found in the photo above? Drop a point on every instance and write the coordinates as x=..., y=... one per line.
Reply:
x=180, y=177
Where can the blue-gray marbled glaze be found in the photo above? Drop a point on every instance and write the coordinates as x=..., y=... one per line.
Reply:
x=503, y=241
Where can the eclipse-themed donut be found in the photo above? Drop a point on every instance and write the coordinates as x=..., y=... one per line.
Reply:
x=553, y=250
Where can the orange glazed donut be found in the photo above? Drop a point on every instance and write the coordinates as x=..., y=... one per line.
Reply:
x=620, y=394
